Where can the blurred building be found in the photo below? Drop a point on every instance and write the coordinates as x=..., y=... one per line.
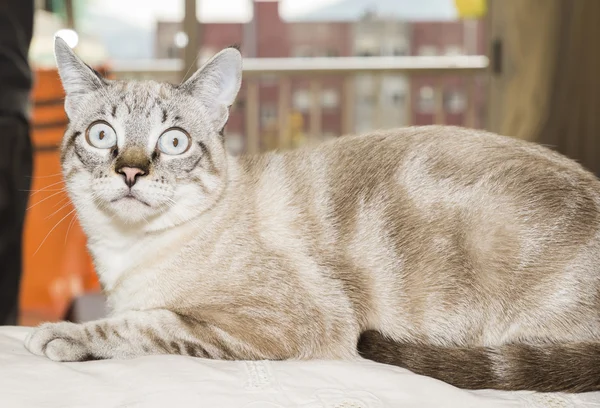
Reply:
x=267, y=35
x=408, y=27
x=401, y=10
x=380, y=100
x=447, y=38
x=347, y=28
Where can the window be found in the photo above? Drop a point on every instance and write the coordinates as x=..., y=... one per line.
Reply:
x=330, y=52
x=329, y=98
x=394, y=46
x=302, y=51
x=398, y=98
x=455, y=101
x=366, y=54
x=426, y=100
x=301, y=100
x=394, y=90
x=367, y=46
x=268, y=115
x=428, y=50
x=172, y=51
x=367, y=100
x=399, y=51
x=454, y=50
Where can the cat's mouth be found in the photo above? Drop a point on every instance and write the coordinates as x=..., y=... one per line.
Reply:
x=130, y=197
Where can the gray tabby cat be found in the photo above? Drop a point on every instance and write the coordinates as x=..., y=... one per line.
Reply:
x=459, y=254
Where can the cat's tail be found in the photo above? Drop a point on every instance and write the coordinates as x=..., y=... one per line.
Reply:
x=568, y=367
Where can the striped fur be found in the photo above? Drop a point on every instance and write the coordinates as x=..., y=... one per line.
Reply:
x=438, y=244
x=539, y=366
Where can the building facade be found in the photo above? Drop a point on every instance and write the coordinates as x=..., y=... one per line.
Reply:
x=447, y=38
x=379, y=101
x=267, y=35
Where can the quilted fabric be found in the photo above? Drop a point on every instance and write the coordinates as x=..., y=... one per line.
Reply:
x=177, y=381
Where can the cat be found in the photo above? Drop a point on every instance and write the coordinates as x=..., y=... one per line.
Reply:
x=459, y=254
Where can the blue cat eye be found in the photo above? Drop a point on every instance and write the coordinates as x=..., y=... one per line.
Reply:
x=101, y=135
x=174, y=141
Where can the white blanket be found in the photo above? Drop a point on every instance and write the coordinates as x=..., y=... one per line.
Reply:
x=177, y=381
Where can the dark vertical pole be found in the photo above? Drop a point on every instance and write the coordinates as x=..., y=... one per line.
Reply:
x=190, y=28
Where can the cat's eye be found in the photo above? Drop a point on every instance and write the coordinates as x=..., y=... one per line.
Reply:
x=174, y=141
x=101, y=135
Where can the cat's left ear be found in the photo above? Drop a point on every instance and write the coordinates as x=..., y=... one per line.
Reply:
x=217, y=84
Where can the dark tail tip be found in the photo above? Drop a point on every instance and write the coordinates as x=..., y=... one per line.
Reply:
x=546, y=367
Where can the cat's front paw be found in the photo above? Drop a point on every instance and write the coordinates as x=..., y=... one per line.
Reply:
x=59, y=342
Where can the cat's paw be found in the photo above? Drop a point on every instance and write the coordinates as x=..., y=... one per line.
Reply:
x=59, y=342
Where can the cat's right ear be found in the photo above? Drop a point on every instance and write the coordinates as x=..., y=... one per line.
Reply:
x=77, y=78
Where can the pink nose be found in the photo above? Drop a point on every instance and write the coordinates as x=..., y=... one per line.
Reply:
x=130, y=174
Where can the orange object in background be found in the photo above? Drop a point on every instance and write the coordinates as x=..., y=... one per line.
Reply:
x=56, y=264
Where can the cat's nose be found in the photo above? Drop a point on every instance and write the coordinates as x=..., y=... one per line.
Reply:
x=131, y=174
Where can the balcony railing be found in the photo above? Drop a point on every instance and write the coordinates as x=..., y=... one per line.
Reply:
x=284, y=75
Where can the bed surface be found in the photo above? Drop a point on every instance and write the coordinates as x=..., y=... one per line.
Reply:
x=177, y=381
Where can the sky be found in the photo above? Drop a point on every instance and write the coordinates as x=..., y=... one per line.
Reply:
x=145, y=12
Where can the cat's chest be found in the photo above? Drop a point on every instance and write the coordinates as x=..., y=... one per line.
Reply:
x=136, y=279
x=112, y=266
x=121, y=260
x=151, y=272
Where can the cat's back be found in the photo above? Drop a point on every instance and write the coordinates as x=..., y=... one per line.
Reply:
x=450, y=148
x=433, y=167
x=444, y=172
x=442, y=154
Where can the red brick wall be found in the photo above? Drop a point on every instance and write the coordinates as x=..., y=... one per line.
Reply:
x=220, y=35
x=441, y=35
x=271, y=31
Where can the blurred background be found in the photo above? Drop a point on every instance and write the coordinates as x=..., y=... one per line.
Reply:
x=314, y=70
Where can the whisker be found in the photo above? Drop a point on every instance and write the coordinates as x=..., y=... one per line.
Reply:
x=38, y=191
x=53, y=228
x=60, y=202
x=44, y=199
x=101, y=203
x=48, y=186
x=195, y=63
x=60, y=209
x=47, y=176
x=69, y=228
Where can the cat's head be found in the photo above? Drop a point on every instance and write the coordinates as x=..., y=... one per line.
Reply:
x=144, y=153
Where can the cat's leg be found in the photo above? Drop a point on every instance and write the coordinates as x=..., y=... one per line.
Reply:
x=123, y=336
x=132, y=334
x=160, y=331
